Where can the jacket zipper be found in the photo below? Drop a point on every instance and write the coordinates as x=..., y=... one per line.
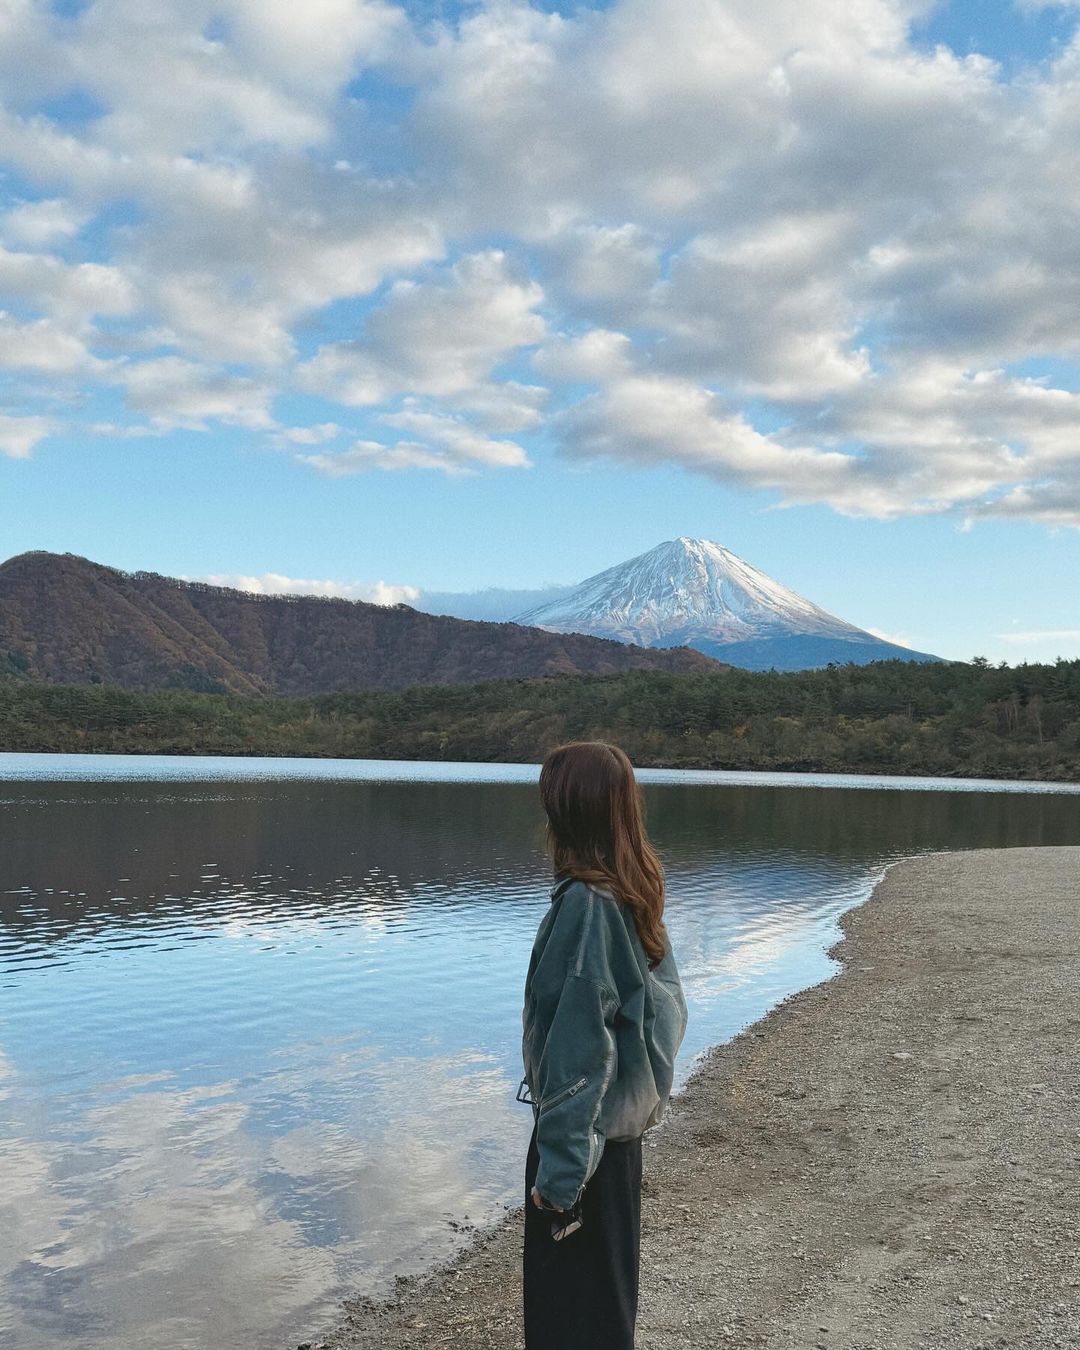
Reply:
x=594, y=1139
x=563, y=1092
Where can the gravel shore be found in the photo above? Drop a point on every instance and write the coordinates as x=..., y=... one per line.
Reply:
x=890, y=1159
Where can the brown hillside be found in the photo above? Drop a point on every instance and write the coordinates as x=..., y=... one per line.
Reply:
x=67, y=620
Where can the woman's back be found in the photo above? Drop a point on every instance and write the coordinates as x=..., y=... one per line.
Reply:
x=602, y=1021
x=634, y=1024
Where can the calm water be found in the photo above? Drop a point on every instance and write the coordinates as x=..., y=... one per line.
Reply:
x=260, y=1020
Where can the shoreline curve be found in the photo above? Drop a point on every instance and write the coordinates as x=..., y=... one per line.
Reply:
x=886, y=1159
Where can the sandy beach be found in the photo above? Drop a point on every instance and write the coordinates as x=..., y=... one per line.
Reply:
x=890, y=1159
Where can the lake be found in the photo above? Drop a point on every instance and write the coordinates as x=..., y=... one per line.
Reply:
x=260, y=1020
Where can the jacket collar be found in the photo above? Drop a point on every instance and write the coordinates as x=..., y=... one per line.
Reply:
x=560, y=886
x=564, y=882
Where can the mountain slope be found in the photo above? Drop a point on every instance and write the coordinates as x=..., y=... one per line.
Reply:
x=695, y=593
x=64, y=619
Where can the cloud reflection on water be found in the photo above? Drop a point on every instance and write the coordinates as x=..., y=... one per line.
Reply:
x=260, y=1045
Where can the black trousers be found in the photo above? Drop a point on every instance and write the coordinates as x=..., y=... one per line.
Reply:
x=582, y=1293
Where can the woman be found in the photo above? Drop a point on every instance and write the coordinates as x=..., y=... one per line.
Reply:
x=603, y=1018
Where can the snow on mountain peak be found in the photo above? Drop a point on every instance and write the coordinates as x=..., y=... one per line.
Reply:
x=687, y=591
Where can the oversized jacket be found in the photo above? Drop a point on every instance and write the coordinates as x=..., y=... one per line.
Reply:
x=600, y=1031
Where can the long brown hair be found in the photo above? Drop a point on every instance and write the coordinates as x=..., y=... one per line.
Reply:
x=596, y=832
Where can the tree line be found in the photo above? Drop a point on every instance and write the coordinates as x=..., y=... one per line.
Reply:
x=956, y=718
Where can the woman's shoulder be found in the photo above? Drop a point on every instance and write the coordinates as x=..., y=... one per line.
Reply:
x=589, y=914
x=573, y=894
x=580, y=889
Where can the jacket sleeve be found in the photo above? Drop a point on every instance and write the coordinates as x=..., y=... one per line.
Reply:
x=578, y=1063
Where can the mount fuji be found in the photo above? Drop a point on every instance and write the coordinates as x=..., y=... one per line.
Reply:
x=690, y=592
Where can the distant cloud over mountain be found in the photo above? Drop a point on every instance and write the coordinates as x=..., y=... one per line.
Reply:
x=493, y=604
x=273, y=583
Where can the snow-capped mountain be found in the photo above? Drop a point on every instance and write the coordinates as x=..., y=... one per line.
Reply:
x=695, y=593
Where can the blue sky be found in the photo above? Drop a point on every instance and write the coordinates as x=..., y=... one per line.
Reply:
x=373, y=299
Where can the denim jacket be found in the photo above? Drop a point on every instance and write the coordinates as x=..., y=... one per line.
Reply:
x=600, y=1034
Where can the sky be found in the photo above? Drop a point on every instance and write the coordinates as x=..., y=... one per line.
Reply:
x=372, y=299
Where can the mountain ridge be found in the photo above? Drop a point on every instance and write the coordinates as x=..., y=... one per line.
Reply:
x=65, y=619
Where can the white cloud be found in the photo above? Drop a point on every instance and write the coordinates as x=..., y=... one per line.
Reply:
x=314, y=435
x=273, y=583
x=315, y=48
x=70, y=292
x=653, y=418
x=174, y=392
x=19, y=435
x=167, y=87
x=50, y=220
x=457, y=440
x=44, y=346
x=716, y=216
x=764, y=310
x=604, y=266
x=587, y=358
x=936, y=437
x=126, y=431
x=648, y=113
x=442, y=337
x=241, y=227
x=895, y=638
x=1049, y=503
x=366, y=455
x=505, y=405
x=235, y=258
x=442, y=442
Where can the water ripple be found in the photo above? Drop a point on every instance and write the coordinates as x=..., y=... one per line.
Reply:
x=260, y=1043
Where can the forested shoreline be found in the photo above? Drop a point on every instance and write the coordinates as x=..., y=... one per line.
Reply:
x=957, y=719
